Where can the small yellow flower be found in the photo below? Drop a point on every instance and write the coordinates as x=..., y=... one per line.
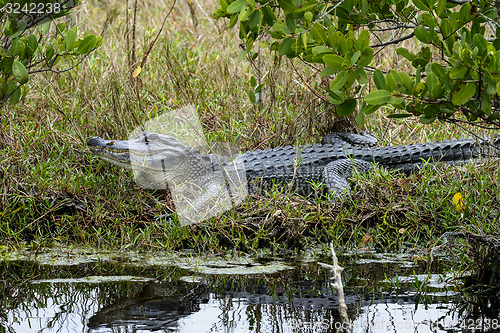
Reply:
x=459, y=202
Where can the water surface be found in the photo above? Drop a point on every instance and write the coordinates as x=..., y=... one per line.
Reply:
x=80, y=290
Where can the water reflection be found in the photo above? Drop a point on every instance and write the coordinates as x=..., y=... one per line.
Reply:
x=382, y=295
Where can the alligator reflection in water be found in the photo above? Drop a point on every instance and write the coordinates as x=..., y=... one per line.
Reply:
x=259, y=310
x=158, y=306
x=382, y=293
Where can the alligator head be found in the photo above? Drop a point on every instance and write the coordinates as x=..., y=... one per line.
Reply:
x=158, y=158
x=160, y=161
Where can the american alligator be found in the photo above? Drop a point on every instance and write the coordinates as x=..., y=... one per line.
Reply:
x=162, y=158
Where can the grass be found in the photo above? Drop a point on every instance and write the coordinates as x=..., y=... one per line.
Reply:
x=53, y=190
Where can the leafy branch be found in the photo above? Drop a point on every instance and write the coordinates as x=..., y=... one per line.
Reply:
x=455, y=62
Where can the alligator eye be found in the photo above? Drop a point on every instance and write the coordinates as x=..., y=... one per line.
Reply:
x=152, y=137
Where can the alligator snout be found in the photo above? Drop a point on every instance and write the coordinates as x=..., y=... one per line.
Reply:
x=96, y=142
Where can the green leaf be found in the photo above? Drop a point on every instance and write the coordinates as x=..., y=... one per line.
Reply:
x=61, y=27
x=438, y=69
x=245, y=13
x=364, y=7
x=235, y=7
x=366, y=57
x=20, y=27
x=464, y=94
x=480, y=42
x=285, y=46
x=333, y=61
x=406, y=81
x=339, y=81
x=347, y=107
x=303, y=37
x=223, y=4
x=249, y=45
x=490, y=85
x=378, y=97
x=417, y=74
x=441, y=7
x=431, y=81
x=287, y=5
x=44, y=26
x=327, y=71
x=255, y=21
x=421, y=4
x=321, y=49
x=17, y=48
x=396, y=101
x=486, y=103
x=253, y=81
x=233, y=20
x=49, y=53
x=252, y=96
x=458, y=72
x=69, y=40
x=391, y=80
x=20, y=72
x=99, y=41
x=405, y=53
x=362, y=76
x=32, y=42
x=363, y=40
x=87, y=44
x=446, y=27
x=15, y=96
x=290, y=23
x=420, y=88
x=360, y=118
x=424, y=119
x=422, y=34
x=369, y=109
x=318, y=33
x=437, y=90
x=464, y=11
x=494, y=116
x=335, y=97
x=303, y=7
x=355, y=58
x=269, y=16
x=379, y=79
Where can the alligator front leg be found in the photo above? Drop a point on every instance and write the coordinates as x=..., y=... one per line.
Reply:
x=336, y=173
x=198, y=202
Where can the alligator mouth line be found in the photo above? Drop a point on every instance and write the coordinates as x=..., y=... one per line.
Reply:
x=122, y=160
x=121, y=156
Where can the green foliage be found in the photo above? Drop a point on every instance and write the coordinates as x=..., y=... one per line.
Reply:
x=455, y=59
x=31, y=42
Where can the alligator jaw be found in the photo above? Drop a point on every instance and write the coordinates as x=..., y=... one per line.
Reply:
x=149, y=152
x=114, y=152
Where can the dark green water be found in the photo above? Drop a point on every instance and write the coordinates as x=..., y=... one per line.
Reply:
x=78, y=290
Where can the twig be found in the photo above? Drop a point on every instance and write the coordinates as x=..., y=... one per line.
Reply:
x=134, y=23
x=394, y=41
x=490, y=19
x=337, y=284
x=152, y=44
